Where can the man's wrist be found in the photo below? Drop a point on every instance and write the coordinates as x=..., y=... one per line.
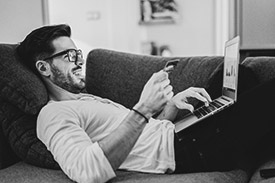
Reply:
x=144, y=110
x=171, y=104
x=139, y=113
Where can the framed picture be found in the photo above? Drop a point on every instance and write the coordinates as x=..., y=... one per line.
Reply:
x=158, y=11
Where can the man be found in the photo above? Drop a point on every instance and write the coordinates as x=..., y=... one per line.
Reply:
x=90, y=137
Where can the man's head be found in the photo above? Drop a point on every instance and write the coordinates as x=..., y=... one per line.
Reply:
x=50, y=52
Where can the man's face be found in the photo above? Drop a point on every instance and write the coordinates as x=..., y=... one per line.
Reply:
x=65, y=74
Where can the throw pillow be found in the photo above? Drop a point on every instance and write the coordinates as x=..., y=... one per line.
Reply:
x=18, y=85
x=22, y=95
x=20, y=131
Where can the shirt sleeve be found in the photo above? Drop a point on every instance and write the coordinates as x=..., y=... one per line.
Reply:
x=81, y=159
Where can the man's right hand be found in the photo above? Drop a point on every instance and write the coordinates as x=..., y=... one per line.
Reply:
x=156, y=93
x=118, y=144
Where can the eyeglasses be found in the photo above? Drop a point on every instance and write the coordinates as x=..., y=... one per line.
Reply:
x=72, y=54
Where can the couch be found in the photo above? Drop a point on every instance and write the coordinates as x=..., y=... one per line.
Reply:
x=120, y=77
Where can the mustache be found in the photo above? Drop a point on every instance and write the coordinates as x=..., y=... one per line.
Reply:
x=76, y=68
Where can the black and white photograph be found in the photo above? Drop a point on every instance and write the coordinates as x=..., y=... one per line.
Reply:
x=137, y=91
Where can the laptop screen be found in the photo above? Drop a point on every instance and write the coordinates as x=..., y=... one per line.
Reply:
x=231, y=66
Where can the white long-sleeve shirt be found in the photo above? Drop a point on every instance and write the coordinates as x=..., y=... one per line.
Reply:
x=71, y=129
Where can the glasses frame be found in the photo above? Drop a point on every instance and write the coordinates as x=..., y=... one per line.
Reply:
x=78, y=53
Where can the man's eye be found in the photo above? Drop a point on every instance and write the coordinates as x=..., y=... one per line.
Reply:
x=65, y=56
x=72, y=56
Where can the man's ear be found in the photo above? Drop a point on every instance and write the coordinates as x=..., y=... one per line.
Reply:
x=43, y=67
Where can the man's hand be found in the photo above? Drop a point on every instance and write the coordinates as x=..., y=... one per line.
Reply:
x=180, y=100
x=156, y=93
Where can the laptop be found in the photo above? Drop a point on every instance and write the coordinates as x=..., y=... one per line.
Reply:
x=229, y=89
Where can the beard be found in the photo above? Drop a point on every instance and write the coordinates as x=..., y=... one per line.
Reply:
x=67, y=81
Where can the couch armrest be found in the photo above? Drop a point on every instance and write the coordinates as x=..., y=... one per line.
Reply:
x=263, y=67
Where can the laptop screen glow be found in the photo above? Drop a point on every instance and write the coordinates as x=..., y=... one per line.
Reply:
x=231, y=61
x=231, y=67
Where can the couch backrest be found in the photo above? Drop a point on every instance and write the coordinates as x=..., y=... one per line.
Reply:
x=121, y=76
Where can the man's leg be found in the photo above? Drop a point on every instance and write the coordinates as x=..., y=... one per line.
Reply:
x=232, y=136
x=251, y=124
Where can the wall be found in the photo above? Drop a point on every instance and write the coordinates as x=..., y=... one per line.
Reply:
x=18, y=18
x=126, y=33
x=113, y=24
x=194, y=32
x=256, y=24
x=87, y=29
x=99, y=24
x=116, y=26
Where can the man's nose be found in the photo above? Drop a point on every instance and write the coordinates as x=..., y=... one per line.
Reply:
x=80, y=61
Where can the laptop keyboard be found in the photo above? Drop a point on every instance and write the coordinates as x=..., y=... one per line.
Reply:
x=204, y=110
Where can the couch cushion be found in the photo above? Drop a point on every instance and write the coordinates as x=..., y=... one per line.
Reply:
x=22, y=172
x=25, y=173
x=256, y=177
x=237, y=176
x=18, y=85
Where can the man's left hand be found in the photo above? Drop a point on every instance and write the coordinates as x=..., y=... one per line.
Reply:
x=180, y=99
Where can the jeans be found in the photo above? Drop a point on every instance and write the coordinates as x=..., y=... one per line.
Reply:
x=238, y=136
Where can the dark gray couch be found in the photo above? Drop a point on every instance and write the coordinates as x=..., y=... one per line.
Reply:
x=117, y=76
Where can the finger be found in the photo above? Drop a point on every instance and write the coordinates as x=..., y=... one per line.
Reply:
x=183, y=105
x=169, y=95
x=198, y=96
x=203, y=92
x=168, y=90
x=165, y=83
x=187, y=106
x=160, y=76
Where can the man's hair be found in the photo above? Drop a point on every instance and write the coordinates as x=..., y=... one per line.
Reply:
x=38, y=44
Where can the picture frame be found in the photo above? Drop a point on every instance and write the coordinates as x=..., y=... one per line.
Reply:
x=158, y=11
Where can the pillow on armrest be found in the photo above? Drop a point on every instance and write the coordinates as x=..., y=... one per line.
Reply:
x=22, y=95
x=19, y=85
x=20, y=131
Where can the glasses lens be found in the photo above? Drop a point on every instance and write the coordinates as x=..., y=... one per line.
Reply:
x=79, y=54
x=72, y=55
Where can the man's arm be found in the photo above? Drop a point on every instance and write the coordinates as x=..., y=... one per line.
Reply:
x=119, y=143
